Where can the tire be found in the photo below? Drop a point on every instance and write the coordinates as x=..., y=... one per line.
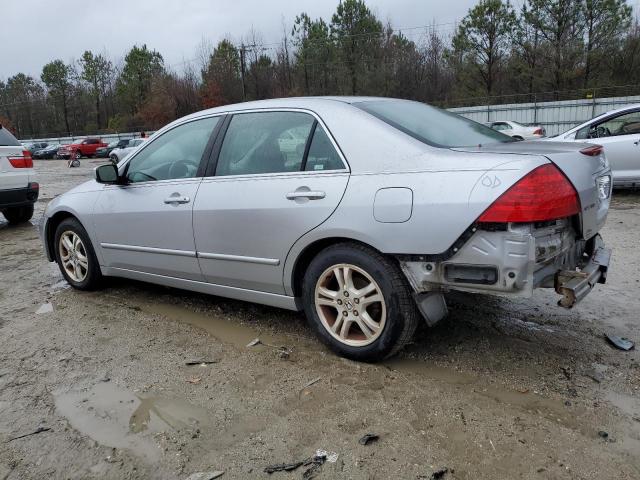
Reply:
x=518, y=138
x=77, y=155
x=75, y=162
x=17, y=215
x=114, y=159
x=92, y=278
x=396, y=315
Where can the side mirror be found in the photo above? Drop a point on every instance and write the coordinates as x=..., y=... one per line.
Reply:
x=106, y=173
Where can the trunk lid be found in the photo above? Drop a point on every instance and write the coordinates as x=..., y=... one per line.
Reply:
x=582, y=170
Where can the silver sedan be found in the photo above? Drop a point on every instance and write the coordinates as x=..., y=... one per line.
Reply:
x=363, y=212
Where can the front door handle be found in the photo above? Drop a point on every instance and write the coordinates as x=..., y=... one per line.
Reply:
x=176, y=198
x=309, y=194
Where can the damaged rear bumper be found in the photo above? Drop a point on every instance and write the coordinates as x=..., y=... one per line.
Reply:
x=574, y=285
x=515, y=261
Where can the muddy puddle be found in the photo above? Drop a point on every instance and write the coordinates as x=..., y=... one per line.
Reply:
x=118, y=418
x=227, y=331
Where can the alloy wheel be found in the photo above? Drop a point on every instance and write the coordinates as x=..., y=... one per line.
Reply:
x=73, y=256
x=350, y=305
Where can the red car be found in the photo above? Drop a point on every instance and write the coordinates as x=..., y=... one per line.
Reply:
x=83, y=148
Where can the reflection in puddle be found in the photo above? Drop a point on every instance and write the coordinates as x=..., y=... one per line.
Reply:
x=117, y=418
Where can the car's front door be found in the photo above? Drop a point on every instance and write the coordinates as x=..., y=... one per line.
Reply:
x=620, y=137
x=278, y=176
x=145, y=225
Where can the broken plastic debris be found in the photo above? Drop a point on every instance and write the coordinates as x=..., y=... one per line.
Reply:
x=314, y=463
x=45, y=308
x=619, y=342
x=282, y=467
x=368, y=438
x=332, y=457
x=254, y=342
x=202, y=363
x=194, y=380
x=205, y=475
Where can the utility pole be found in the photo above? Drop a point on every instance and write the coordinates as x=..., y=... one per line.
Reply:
x=244, y=88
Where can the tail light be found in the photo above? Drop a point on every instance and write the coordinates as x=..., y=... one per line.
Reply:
x=543, y=194
x=592, y=151
x=538, y=131
x=24, y=161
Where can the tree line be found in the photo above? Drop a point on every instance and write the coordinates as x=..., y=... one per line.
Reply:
x=540, y=51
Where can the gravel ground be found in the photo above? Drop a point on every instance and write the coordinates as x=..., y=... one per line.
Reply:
x=501, y=389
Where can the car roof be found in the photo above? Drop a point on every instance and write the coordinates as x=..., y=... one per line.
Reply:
x=290, y=102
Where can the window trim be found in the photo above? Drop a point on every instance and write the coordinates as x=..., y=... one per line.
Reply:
x=213, y=163
x=122, y=171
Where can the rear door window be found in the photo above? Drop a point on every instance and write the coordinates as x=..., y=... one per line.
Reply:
x=264, y=142
x=322, y=154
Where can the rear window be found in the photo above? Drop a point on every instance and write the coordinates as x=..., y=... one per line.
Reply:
x=431, y=125
x=6, y=139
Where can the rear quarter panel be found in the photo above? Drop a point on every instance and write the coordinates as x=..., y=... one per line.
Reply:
x=449, y=194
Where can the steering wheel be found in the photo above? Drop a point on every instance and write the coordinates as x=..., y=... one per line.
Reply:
x=180, y=169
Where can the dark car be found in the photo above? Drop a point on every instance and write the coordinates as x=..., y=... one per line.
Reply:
x=105, y=151
x=50, y=151
x=32, y=147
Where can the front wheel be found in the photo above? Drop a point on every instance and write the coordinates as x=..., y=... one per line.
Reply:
x=77, y=155
x=359, y=302
x=17, y=215
x=75, y=255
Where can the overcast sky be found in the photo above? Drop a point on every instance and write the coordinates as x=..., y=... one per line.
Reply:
x=34, y=32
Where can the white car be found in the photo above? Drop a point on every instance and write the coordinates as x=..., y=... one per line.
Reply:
x=618, y=131
x=18, y=191
x=517, y=130
x=118, y=154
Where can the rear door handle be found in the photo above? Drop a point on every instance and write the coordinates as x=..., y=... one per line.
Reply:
x=175, y=199
x=310, y=194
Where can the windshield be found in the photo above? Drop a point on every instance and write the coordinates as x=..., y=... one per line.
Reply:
x=431, y=125
x=112, y=144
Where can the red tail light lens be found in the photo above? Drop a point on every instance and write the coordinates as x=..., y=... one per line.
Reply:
x=538, y=131
x=592, y=151
x=543, y=194
x=25, y=161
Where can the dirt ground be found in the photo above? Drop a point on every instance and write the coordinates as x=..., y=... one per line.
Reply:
x=502, y=389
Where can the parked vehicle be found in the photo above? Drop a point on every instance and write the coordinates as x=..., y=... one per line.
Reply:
x=18, y=188
x=83, y=148
x=118, y=154
x=618, y=131
x=33, y=147
x=517, y=130
x=105, y=151
x=389, y=204
x=48, y=152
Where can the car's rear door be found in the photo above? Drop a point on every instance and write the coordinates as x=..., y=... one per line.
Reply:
x=145, y=225
x=262, y=193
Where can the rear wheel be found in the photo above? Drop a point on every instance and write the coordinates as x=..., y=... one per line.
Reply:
x=78, y=155
x=75, y=255
x=16, y=215
x=359, y=302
